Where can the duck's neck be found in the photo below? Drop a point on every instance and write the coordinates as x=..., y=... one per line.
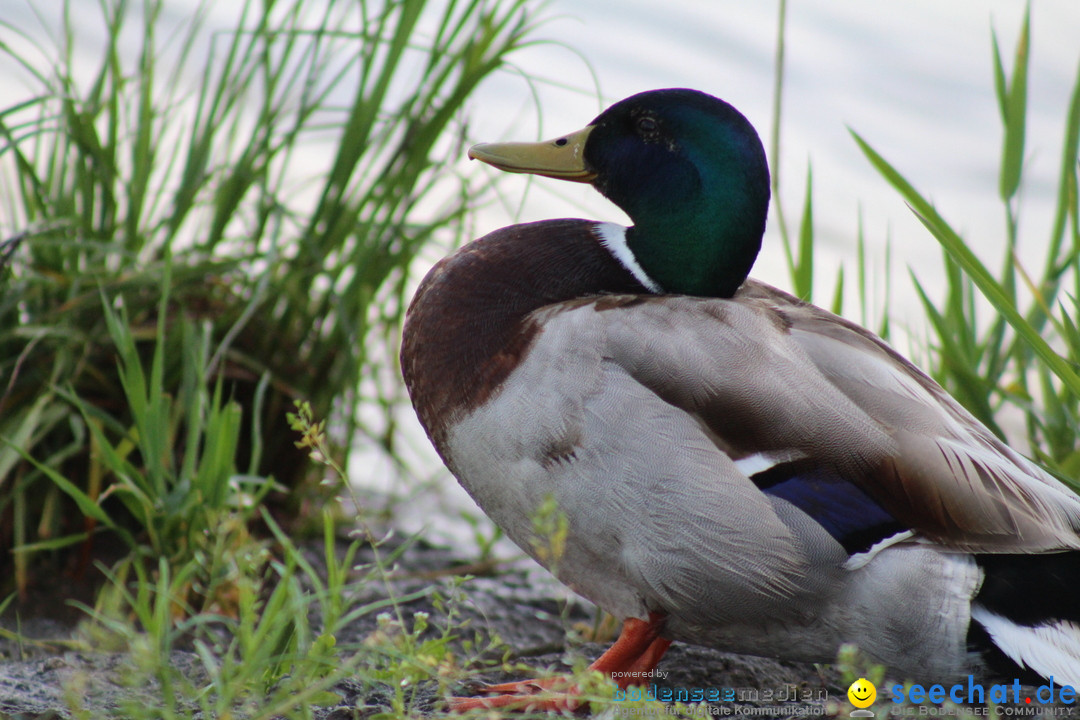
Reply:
x=699, y=214
x=702, y=244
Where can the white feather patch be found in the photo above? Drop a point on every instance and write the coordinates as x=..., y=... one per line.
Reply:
x=858, y=560
x=613, y=237
x=1052, y=649
x=760, y=462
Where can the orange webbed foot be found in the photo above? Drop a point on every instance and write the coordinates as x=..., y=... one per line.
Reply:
x=636, y=652
x=555, y=694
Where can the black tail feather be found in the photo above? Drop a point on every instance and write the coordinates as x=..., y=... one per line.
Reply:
x=1031, y=589
x=1028, y=590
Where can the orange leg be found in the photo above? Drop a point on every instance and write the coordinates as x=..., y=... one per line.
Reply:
x=636, y=652
x=645, y=664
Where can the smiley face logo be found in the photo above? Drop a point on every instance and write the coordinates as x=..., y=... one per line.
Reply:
x=862, y=693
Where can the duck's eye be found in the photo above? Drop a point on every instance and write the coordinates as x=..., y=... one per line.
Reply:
x=647, y=125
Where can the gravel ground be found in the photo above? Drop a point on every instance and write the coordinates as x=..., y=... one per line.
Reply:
x=522, y=605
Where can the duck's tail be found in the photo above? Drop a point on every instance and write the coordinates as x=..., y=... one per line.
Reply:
x=1026, y=616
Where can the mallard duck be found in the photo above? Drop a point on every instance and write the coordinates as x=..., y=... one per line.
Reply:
x=736, y=468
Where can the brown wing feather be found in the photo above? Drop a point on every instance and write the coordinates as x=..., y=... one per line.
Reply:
x=767, y=374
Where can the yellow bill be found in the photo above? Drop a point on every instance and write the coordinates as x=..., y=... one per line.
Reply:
x=562, y=158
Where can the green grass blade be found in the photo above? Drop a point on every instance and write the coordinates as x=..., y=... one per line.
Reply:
x=1067, y=186
x=803, y=272
x=51, y=544
x=1014, y=103
x=86, y=504
x=838, y=293
x=960, y=252
x=774, y=140
x=1001, y=84
x=971, y=388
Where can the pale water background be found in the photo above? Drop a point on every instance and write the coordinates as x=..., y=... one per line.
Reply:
x=914, y=78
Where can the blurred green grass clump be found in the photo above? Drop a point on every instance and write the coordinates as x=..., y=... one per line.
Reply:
x=226, y=219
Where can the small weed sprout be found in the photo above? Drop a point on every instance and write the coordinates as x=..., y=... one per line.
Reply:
x=550, y=529
x=313, y=439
